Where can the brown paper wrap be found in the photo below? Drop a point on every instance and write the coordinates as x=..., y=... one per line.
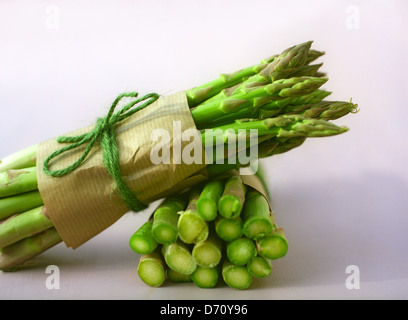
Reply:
x=85, y=202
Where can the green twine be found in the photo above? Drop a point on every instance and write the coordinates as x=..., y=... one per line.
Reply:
x=104, y=133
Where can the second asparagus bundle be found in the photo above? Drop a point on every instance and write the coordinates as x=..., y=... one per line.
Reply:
x=223, y=230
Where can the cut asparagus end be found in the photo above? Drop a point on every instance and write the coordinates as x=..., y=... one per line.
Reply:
x=142, y=241
x=259, y=267
x=192, y=228
x=229, y=229
x=257, y=227
x=233, y=198
x=207, y=209
x=151, y=269
x=178, y=257
x=273, y=246
x=229, y=206
x=165, y=233
x=237, y=277
x=205, y=277
x=241, y=251
x=206, y=254
x=165, y=219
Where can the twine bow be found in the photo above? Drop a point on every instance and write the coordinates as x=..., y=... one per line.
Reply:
x=104, y=132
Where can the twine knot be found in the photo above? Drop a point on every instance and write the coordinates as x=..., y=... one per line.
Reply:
x=104, y=133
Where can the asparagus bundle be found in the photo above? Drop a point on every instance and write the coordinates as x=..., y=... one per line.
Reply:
x=204, y=251
x=279, y=98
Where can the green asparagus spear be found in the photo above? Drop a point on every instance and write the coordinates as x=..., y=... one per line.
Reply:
x=265, y=149
x=313, y=55
x=259, y=267
x=142, y=241
x=207, y=203
x=281, y=66
x=285, y=126
x=191, y=227
x=203, y=92
x=309, y=70
x=178, y=257
x=16, y=181
x=254, y=97
x=165, y=219
x=274, y=245
x=229, y=229
x=208, y=253
x=288, y=59
x=19, y=203
x=152, y=269
x=16, y=254
x=256, y=216
x=241, y=251
x=24, y=158
x=326, y=110
x=277, y=107
x=23, y=225
x=236, y=276
x=233, y=197
x=271, y=109
x=205, y=277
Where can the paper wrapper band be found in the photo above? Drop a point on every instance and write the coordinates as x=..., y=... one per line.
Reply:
x=85, y=202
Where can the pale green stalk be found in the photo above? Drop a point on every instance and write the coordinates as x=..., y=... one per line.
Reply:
x=16, y=181
x=256, y=216
x=165, y=219
x=233, y=198
x=23, y=225
x=191, y=227
x=19, y=203
x=21, y=159
x=207, y=203
x=15, y=255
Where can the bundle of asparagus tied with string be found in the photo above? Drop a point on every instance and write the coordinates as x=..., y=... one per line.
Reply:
x=221, y=230
x=280, y=99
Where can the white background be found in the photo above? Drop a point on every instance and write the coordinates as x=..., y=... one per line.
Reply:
x=342, y=200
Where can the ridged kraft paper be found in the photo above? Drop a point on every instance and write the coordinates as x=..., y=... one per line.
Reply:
x=85, y=202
